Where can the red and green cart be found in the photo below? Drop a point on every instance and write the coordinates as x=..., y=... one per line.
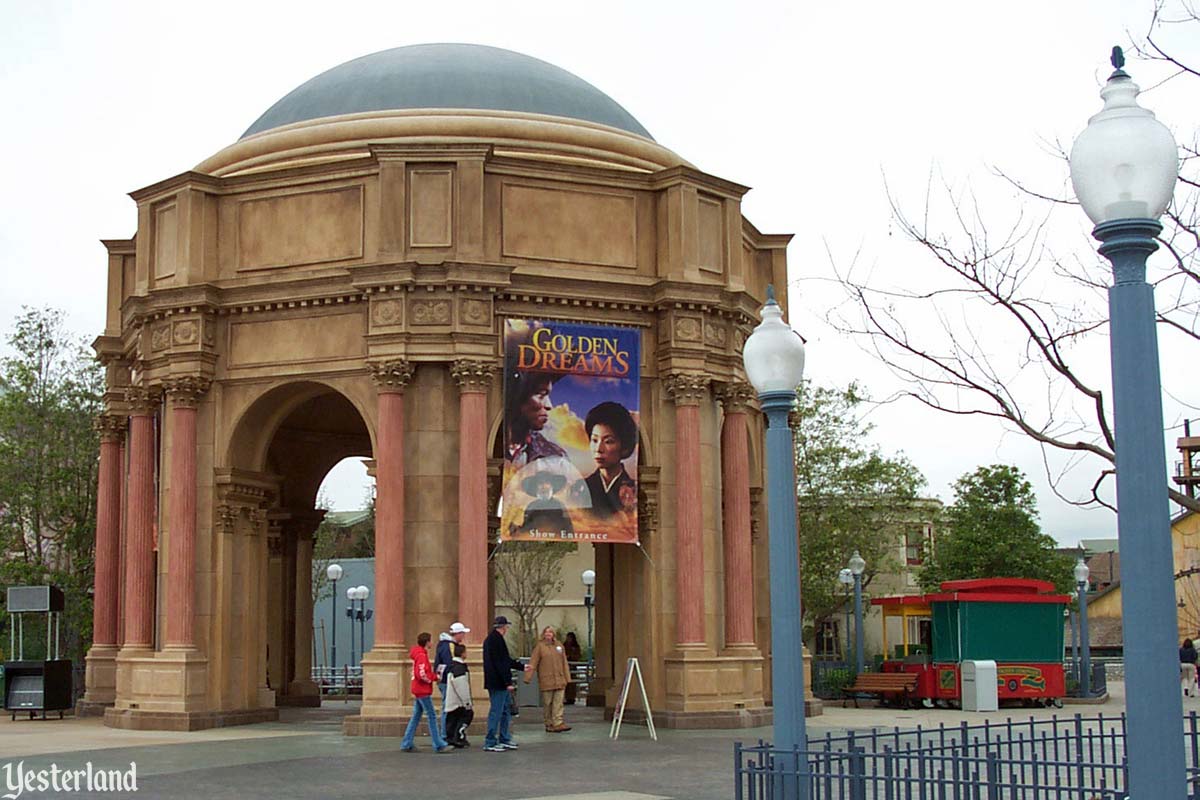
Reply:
x=1017, y=623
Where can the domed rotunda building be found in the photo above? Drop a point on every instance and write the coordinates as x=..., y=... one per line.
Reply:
x=336, y=283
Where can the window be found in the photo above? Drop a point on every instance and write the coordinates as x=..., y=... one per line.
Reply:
x=828, y=641
x=914, y=541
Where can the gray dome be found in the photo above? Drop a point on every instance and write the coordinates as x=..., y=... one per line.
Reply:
x=447, y=76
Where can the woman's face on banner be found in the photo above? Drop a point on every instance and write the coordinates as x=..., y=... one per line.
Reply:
x=536, y=409
x=606, y=446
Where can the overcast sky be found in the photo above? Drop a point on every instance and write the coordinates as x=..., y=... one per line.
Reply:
x=812, y=105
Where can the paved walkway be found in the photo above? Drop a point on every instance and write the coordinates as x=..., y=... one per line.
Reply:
x=305, y=755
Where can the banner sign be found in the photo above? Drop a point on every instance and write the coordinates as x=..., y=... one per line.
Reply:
x=571, y=394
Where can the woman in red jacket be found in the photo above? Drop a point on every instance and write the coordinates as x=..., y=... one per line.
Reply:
x=422, y=687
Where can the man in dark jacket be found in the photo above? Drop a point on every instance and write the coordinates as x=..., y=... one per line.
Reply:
x=498, y=667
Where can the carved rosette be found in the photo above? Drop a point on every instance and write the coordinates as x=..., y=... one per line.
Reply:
x=143, y=401
x=472, y=375
x=736, y=396
x=185, y=391
x=687, y=388
x=391, y=376
x=111, y=427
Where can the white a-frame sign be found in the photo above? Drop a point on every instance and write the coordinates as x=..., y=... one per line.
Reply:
x=632, y=669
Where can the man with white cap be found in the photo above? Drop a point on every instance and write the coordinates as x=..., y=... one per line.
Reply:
x=442, y=661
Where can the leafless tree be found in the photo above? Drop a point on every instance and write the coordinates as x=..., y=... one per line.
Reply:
x=952, y=341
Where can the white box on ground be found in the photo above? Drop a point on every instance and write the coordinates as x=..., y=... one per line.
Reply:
x=980, y=692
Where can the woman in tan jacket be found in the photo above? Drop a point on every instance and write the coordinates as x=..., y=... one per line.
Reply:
x=549, y=659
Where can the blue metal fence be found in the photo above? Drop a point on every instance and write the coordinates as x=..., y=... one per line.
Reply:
x=1075, y=758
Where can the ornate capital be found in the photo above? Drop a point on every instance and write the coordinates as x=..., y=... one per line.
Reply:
x=391, y=376
x=185, y=391
x=736, y=396
x=143, y=400
x=473, y=375
x=687, y=388
x=111, y=427
x=227, y=518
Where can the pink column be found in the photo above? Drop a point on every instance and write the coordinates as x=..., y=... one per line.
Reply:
x=391, y=378
x=474, y=378
x=108, y=531
x=687, y=390
x=122, y=533
x=181, y=522
x=735, y=494
x=139, y=536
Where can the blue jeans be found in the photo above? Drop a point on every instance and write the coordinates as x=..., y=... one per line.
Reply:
x=442, y=717
x=498, y=718
x=422, y=705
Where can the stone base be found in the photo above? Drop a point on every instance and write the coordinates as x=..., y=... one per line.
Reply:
x=387, y=673
x=813, y=707
x=134, y=719
x=700, y=681
x=172, y=681
x=100, y=678
x=299, y=700
x=88, y=708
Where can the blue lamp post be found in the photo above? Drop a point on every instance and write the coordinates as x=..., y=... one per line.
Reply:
x=362, y=616
x=334, y=573
x=857, y=565
x=846, y=578
x=774, y=360
x=351, y=595
x=588, y=576
x=1123, y=167
x=1081, y=581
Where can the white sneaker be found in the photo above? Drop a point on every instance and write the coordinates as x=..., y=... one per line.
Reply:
x=495, y=748
x=509, y=746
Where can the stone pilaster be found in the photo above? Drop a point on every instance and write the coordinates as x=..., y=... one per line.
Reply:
x=688, y=390
x=474, y=379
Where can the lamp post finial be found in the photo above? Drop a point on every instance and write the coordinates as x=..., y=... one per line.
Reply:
x=1118, y=62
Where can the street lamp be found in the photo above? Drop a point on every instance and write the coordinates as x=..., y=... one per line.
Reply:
x=846, y=578
x=588, y=576
x=363, y=615
x=1081, y=581
x=351, y=595
x=857, y=565
x=774, y=360
x=334, y=573
x=1123, y=167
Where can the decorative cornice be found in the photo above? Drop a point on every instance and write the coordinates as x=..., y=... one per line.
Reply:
x=185, y=391
x=391, y=376
x=143, y=401
x=111, y=427
x=736, y=396
x=473, y=375
x=687, y=388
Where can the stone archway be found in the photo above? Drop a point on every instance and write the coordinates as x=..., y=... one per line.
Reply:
x=291, y=437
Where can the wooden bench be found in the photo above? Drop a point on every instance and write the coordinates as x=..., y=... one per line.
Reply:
x=883, y=684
